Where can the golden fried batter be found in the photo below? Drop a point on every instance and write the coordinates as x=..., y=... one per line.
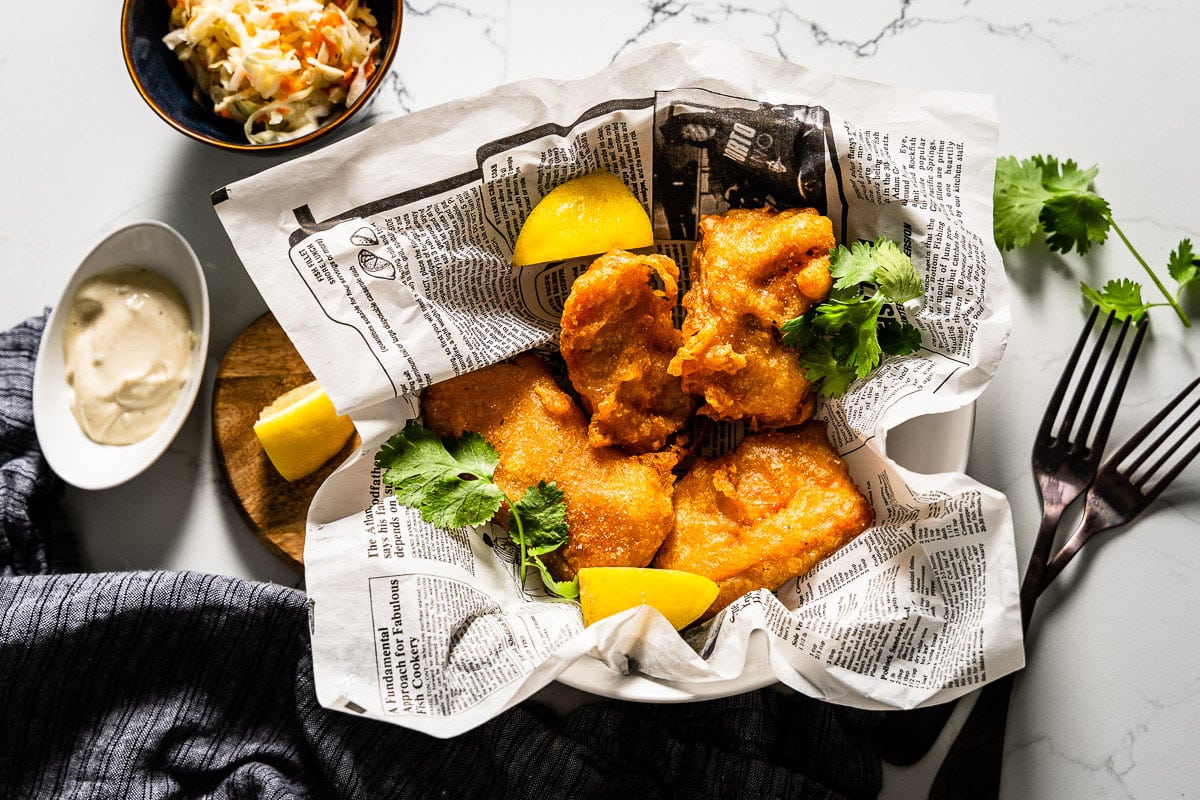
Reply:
x=752, y=270
x=764, y=513
x=618, y=505
x=617, y=339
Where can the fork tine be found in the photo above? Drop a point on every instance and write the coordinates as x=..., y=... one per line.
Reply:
x=1114, y=398
x=1120, y=499
x=1148, y=429
x=1149, y=473
x=1060, y=390
x=1174, y=473
x=1084, y=381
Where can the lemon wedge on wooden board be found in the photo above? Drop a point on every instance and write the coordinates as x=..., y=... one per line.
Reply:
x=681, y=596
x=300, y=431
x=588, y=215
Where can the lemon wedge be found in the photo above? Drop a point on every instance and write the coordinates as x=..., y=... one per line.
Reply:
x=680, y=596
x=301, y=431
x=591, y=214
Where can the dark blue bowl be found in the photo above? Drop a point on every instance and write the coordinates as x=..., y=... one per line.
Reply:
x=165, y=85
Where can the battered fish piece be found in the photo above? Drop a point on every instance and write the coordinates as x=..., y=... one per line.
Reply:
x=617, y=339
x=752, y=270
x=764, y=513
x=618, y=505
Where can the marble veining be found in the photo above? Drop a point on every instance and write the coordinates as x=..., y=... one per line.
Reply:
x=1120, y=770
x=1109, y=703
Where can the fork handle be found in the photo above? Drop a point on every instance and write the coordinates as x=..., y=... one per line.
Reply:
x=1035, y=580
x=1097, y=517
x=971, y=769
x=1064, y=555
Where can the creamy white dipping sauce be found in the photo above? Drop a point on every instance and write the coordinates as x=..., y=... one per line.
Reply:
x=127, y=344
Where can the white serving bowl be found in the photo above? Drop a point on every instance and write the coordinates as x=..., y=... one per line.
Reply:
x=71, y=454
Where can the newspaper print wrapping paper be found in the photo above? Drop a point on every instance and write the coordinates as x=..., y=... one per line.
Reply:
x=386, y=259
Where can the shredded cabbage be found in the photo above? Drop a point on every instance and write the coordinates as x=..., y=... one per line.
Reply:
x=277, y=66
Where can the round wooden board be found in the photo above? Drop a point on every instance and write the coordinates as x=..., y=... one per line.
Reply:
x=260, y=365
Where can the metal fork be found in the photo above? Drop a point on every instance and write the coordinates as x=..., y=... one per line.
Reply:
x=1064, y=464
x=1121, y=491
x=1064, y=460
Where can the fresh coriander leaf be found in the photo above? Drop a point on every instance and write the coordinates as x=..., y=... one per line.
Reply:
x=854, y=328
x=568, y=589
x=867, y=355
x=851, y=267
x=415, y=452
x=1075, y=220
x=451, y=486
x=839, y=339
x=413, y=460
x=850, y=294
x=1057, y=196
x=1122, y=297
x=896, y=276
x=833, y=315
x=798, y=332
x=1183, y=264
x=453, y=502
x=821, y=367
x=1018, y=199
x=898, y=338
x=1068, y=178
x=474, y=454
x=543, y=513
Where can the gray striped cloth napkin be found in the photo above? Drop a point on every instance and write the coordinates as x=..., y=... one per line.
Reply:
x=184, y=685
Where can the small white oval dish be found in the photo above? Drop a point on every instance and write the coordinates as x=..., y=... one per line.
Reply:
x=77, y=459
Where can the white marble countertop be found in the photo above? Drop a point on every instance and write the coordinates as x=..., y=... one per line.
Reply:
x=1108, y=704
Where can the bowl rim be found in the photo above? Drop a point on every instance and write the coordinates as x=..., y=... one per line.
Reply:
x=389, y=54
x=143, y=454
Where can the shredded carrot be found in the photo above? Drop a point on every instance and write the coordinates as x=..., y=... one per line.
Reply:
x=291, y=85
x=278, y=50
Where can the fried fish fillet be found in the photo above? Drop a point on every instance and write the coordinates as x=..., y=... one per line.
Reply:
x=751, y=271
x=764, y=513
x=617, y=339
x=618, y=505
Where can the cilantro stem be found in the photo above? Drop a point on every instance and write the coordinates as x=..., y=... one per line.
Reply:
x=512, y=511
x=1171, y=301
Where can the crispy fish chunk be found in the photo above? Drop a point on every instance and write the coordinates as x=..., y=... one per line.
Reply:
x=618, y=505
x=764, y=513
x=617, y=339
x=751, y=271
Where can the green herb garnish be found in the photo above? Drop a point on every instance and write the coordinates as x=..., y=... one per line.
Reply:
x=1057, y=197
x=452, y=484
x=843, y=338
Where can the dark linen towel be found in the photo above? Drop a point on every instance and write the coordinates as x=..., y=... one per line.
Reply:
x=183, y=685
x=33, y=533
x=156, y=684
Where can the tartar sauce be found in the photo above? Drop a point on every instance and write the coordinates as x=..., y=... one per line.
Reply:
x=127, y=344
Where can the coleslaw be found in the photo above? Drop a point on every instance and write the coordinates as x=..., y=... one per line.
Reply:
x=279, y=67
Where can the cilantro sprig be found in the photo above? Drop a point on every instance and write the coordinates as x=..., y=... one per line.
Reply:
x=843, y=338
x=1057, y=198
x=452, y=484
